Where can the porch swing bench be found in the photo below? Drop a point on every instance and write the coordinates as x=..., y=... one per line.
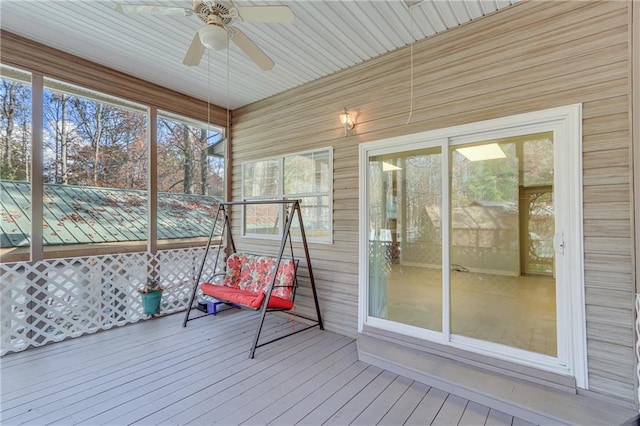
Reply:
x=257, y=282
x=246, y=280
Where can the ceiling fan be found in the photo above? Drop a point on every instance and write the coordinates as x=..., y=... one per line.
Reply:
x=218, y=17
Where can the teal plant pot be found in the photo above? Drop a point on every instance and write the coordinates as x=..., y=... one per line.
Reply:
x=151, y=302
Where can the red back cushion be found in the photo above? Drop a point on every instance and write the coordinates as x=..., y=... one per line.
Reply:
x=257, y=273
x=255, y=270
x=285, y=279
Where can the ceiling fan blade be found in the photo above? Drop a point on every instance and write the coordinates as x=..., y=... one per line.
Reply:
x=251, y=49
x=136, y=9
x=195, y=52
x=273, y=14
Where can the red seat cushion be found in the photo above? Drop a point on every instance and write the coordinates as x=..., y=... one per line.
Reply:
x=244, y=298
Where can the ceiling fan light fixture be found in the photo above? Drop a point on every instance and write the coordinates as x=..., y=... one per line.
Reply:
x=214, y=37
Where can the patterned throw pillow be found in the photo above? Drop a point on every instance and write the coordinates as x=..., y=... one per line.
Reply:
x=254, y=272
x=234, y=268
x=285, y=279
x=257, y=273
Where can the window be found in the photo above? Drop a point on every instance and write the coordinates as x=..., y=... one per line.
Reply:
x=95, y=171
x=15, y=159
x=190, y=176
x=94, y=166
x=306, y=176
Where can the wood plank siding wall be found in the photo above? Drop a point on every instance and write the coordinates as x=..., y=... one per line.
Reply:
x=531, y=56
x=32, y=56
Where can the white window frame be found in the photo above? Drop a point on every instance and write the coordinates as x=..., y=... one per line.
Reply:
x=282, y=195
x=565, y=122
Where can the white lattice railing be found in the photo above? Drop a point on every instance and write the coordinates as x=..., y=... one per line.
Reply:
x=51, y=300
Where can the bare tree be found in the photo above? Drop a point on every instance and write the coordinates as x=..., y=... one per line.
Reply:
x=204, y=162
x=187, y=164
x=15, y=102
x=89, y=120
x=9, y=110
x=63, y=139
x=56, y=107
x=189, y=143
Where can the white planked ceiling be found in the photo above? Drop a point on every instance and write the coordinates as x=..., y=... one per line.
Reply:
x=326, y=36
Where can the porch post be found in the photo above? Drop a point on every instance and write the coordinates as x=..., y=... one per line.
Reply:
x=634, y=126
x=153, y=268
x=37, y=179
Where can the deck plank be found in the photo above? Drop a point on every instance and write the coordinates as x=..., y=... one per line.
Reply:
x=61, y=391
x=520, y=422
x=402, y=409
x=451, y=411
x=143, y=376
x=379, y=407
x=157, y=372
x=474, y=414
x=361, y=400
x=234, y=378
x=138, y=362
x=278, y=408
x=498, y=418
x=331, y=405
x=288, y=390
x=200, y=378
x=240, y=397
x=299, y=410
x=428, y=408
x=84, y=358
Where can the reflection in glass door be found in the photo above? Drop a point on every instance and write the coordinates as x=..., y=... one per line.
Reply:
x=500, y=222
x=405, y=241
x=501, y=245
x=536, y=218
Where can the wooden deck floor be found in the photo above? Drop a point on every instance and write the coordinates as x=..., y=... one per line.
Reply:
x=156, y=372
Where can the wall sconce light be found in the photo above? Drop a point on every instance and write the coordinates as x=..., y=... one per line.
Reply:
x=347, y=121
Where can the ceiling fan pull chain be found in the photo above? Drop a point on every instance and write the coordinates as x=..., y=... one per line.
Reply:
x=411, y=66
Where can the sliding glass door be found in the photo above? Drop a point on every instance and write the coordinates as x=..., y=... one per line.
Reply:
x=471, y=237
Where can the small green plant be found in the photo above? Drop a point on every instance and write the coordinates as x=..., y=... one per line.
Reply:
x=150, y=286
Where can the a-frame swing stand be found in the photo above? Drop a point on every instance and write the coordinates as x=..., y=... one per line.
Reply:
x=225, y=234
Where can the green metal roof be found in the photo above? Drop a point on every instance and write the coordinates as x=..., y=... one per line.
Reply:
x=85, y=215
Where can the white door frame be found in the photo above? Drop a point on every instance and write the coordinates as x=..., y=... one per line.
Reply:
x=566, y=124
